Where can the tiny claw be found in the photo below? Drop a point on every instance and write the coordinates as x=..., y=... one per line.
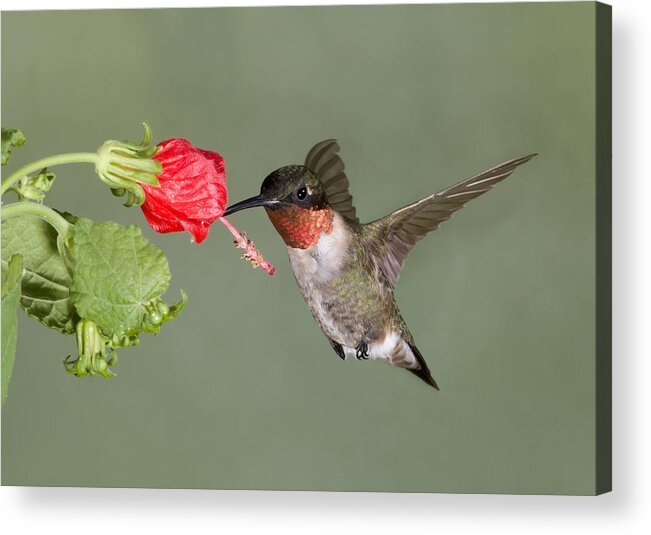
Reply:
x=362, y=351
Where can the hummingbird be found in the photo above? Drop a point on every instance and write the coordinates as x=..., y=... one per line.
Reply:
x=347, y=270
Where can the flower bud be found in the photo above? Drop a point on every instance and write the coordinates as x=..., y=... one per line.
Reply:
x=102, y=366
x=162, y=308
x=33, y=188
x=125, y=165
x=155, y=318
x=91, y=352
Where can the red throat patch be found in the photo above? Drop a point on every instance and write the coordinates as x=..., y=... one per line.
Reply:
x=301, y=227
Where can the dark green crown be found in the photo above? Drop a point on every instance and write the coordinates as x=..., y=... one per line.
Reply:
x=294, y=184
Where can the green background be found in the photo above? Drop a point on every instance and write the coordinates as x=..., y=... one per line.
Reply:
x=243, y=391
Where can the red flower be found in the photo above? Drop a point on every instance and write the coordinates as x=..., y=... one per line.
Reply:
x=192, y=192
x=191, y=195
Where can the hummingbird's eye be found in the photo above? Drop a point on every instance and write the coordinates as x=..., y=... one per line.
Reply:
x=301, y=193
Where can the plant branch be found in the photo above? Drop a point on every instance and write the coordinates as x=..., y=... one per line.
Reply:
x=49, y=161
x=62, y=226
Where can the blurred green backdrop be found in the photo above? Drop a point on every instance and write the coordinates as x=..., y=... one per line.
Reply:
x=243, y=391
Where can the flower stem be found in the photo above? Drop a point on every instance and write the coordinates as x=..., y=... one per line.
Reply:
x=251, y=254
x=31, y=208
x=49, y=161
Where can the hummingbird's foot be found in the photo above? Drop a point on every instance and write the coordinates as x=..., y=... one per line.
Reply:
x=362, y=351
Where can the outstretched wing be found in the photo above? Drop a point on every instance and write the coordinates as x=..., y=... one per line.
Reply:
x=404, y=227
x=324, y=161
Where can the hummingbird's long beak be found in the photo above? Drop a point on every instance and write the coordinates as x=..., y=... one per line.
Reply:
x=252, y=202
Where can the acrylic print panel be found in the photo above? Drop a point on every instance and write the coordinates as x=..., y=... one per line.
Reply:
x=508, y=301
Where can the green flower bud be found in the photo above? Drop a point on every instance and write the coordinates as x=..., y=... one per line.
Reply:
x=101, y=365
x=33, y=188
x=124, y=165
x=122, y=341
x=155, y=318
x=162, y=308
x=91, y=352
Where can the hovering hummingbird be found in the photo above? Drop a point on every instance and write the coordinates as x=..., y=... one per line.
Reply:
x=347, y=270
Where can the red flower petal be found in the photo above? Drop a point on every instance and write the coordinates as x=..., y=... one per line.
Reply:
x=192, y=192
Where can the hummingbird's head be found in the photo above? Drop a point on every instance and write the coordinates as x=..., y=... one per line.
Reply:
x=296, y=203
x=290, y=185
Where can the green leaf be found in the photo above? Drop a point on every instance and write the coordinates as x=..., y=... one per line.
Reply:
x=45, y=293
x=117, y=274
x=11, y=277
x=11, y=137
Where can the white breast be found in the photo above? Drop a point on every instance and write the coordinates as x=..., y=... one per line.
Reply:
x=314, y=268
